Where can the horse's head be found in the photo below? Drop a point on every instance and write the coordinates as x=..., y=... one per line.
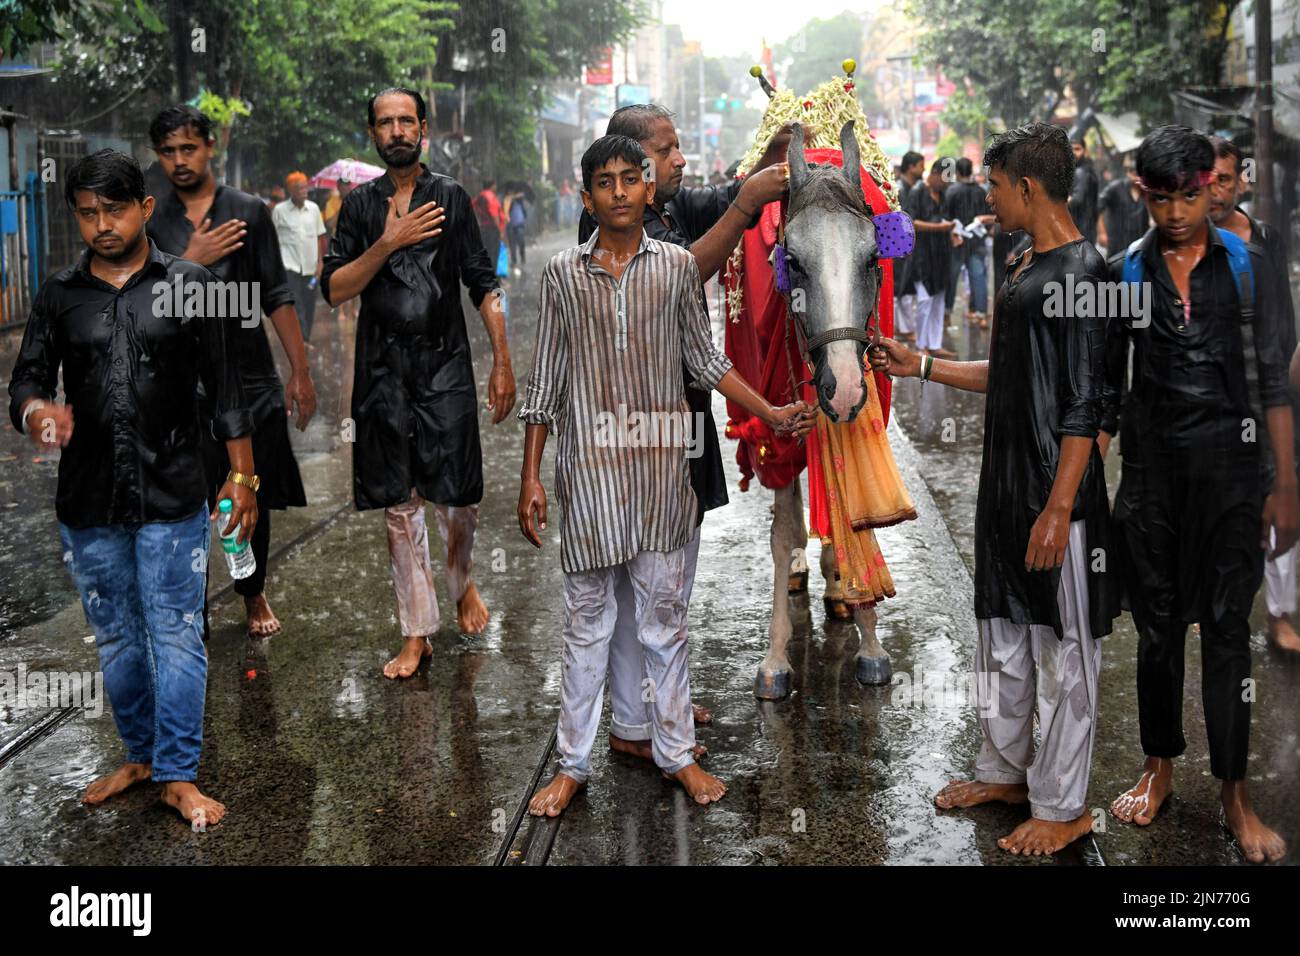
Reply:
x=832, y=256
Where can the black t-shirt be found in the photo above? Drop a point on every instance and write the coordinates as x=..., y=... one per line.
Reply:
x=1126, y=218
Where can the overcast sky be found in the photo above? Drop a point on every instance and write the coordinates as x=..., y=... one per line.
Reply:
x=737, y=27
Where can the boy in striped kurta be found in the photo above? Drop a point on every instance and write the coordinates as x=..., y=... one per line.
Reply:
x=618, y=317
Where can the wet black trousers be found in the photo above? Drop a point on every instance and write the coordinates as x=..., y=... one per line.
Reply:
x=255, y=583
x=1190, y=551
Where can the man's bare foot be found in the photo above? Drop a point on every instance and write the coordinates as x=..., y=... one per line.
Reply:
x=1037, y=837
x=471, y=612
x=262, y=621
x=408, y=658
x=115, y=782
x=1257, y=842
x=703, y=787
x=971, y=793
x=1282, y=636
x=702, y=715
x=551, y=800
x=642, y=749
x=1141, y=804
x=196, y=809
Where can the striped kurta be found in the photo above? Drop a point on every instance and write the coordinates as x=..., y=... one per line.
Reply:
x=606, y=377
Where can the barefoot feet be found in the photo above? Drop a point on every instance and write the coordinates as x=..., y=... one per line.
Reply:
x=1257, y=842
x=262, y=621
x=1282, y=636
x=641, y=748
x=703, y=787
x=551, y=800
x=117, y=781
x=971, y=793
x=1037, y=837
x=408, y=658
x=196, y=809
x=701, y=715
x=1141, y=804
x=471, y=612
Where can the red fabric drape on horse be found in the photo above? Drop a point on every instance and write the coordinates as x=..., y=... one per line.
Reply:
x=762, y=345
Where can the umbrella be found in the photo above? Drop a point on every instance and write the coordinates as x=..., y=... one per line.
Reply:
x=353, y=170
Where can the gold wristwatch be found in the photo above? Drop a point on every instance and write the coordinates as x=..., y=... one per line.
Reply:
x=248, y=481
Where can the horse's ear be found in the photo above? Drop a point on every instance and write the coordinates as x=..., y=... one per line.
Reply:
x=795, y=157
x=852, y=160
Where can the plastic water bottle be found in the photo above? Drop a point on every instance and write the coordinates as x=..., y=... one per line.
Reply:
x=239, y=557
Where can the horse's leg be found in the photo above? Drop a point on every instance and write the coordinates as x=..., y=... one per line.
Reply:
x=873, y=665
x=799, y=555
x=773, y=680
x=836, y=609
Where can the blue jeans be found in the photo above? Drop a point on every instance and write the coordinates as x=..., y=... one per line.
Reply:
x=974, y=258
x=142, y=589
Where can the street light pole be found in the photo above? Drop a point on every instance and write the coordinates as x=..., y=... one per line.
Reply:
x=1264, y=110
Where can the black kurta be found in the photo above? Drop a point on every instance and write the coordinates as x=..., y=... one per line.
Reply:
x=1195, y=472
x=257, y=261
x=413, y=397
x=930, y=259
x=690, y=214
x=1045, y=384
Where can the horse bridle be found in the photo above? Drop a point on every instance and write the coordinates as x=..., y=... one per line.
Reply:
x=870, y=335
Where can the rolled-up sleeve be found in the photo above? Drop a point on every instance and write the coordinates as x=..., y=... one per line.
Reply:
x=703, y=359
x=1270, y=340
x=348, y=242
x=232, y=418
x=273, y=282
x=548, y=379
x=36, y=372
x=1081, y=357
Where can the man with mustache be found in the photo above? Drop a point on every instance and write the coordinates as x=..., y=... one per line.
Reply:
x=232, y=234
x=405, y=242
x=131, y=492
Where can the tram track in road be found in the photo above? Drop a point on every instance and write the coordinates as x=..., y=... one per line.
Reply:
x=533, y=846
x=46, y=722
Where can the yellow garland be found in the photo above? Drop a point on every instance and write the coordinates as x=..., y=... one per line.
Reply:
x=830, y=107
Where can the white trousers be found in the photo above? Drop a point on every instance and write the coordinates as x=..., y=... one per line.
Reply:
x=928, y=318
x=408, y=552
x=1279, y=582
x=905, y=314
x=591, y=609
x=1023, y=668
x=632, y=712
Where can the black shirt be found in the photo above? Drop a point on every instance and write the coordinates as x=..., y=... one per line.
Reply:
x=131, y=378
x=1083, y=199
x=258, y=261
x=686, y=217
x=963, y=201
x=1126, y=218
x=1044, y=384
x=928, y=263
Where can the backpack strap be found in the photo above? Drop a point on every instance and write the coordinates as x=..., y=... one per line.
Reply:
x=1243, y=272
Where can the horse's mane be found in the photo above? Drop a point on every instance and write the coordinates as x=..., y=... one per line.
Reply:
x=826, y=188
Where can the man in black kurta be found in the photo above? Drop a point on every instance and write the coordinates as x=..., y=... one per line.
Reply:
x=1206, y=404
x=1043, y=592
x=405, y=243
x=237, y=241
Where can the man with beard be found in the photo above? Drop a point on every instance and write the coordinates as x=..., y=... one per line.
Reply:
x=131, y=489
x=1279, y=572
x=232, y=234
x=709, y=221
x=1083, y=197
x=1041, y=600
x=405, y=243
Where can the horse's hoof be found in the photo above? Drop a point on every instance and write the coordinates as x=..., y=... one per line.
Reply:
x=799, y=582
x=774, y=686
x=873, y=670
x=837, y=610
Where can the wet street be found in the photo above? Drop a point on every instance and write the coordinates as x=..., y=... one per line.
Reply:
x=321, y=760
